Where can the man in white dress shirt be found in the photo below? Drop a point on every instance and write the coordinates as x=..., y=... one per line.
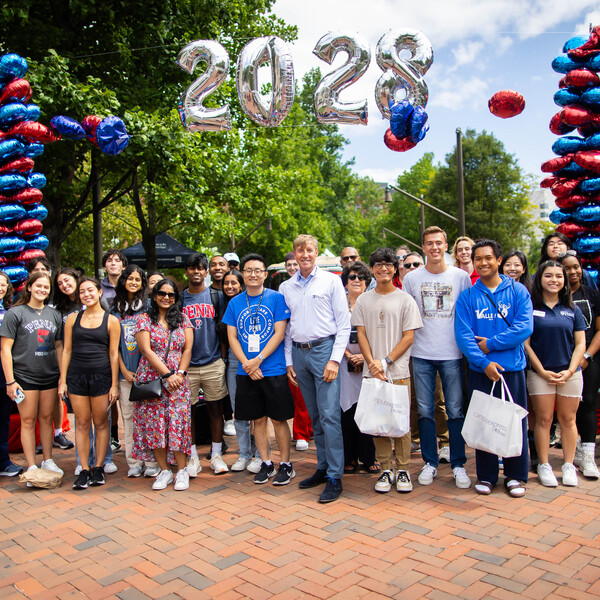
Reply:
x=315, y=340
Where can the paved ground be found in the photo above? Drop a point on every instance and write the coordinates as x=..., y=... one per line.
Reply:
x=227, y=538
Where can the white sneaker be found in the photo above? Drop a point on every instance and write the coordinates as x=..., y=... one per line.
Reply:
x=50, y=465
x=78, y=470
x=444, y=454
x=31, y=468
x=255, y=464
x=240, y=464
x=301, y=445
x=217, y=464
x=414, y=447
x=427, y=474
x=569, y=474
x=385, y=482
x=546, y=476
x=110, y=467
x=587, y=464
x=229, y=428
x=163, y=479
x=403, y=482
x=193, y=467
x=182, y=481
x=462, y=480
x=135, y=471
x=152, y=471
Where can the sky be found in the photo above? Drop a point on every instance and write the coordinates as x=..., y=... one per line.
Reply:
x=480, y=47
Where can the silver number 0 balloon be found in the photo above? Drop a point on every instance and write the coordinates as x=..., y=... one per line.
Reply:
x=402, y=74
x=327, y=105
x=258, y=52
x=194, y=115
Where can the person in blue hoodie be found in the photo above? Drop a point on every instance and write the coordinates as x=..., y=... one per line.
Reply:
x=493, y=319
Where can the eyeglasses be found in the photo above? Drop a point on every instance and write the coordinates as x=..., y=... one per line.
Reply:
x=163, y=294
x=352, y=257
x=416, y=265
x=383, y=265
x=354, y=276
x=253, y=271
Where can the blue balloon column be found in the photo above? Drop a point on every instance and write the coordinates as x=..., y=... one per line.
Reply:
x=21, y=141
x=575, y=179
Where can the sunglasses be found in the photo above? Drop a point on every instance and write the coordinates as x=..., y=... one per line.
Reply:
x=163, y=294
x=353, y=257
x=354, y=276
x=567, y=253
x=416, y=265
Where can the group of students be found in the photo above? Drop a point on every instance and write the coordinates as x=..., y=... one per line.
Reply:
x=396, y=319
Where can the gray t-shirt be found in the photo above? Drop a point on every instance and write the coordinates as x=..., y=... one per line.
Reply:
x=35, y=336
x=436, y=295
x=385, y=318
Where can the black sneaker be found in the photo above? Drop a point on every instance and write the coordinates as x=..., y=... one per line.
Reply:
x=266, y=471
x=97, y=477
x=62, y=441
x=284, y=474
x=115, y=445
x=317, y=478
x=82, y=480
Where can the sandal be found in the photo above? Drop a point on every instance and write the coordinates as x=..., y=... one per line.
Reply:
x=484, y=488
x=372, y=469
x=515, y=488
x=351, y=468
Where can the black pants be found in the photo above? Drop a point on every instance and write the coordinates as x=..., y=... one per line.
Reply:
x=587, y=423
x=358, y=446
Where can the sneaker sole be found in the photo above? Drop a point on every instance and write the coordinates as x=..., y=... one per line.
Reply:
x=97, y=483
x=463, y=486
x=220, y=471
x=427, y=482
x=80, y=487
x=4, y=474
x=382, y=491
x=405, y=490
x=550, y=485
x=63, y=447
x=293, y=474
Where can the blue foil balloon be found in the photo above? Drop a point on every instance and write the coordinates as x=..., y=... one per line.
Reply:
x=12, y=113
x=12, y=66
x=68, y=128
x=573, y=170
x=563, y=64
x=16, y=274
x=400, y=118
x=587, y=244
x=33, y=150
x=36, y=180
x=11, y=244
x=12, y=183
x=587, y=214
x=37, y=242
x=575, y=42
x=11, y=149
x=558, y=216
x=593, y=64
x=33, y=112
x=11, y=212
x=565, y=97
x=39, y=212
x=590, y=185
x=591, y=97
x=111, y=136
x=568, y=144
x=418, y=125
x=593, y=274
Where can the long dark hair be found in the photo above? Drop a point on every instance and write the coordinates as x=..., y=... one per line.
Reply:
x=63, y=303
x=174, y=316
x=121, y=302
x=544, y=255
x=26, y=296
x=525, y=277
x=7, y=301
x=238, y=275
x=564, y=296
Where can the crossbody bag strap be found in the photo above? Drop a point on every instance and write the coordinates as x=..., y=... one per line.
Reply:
x=496, y=307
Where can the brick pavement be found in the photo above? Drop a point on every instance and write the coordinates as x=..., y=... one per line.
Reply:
x=227, y=538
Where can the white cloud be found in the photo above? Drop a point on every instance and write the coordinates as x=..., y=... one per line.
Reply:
x=467, y=53
x=381, y=175
x=592, y=17
x=456, y=93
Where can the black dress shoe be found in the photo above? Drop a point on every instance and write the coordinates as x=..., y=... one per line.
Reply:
x=317, y=478
x=332, y=490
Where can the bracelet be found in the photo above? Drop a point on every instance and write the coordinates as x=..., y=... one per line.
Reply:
x=11, y=383
x=166, y=375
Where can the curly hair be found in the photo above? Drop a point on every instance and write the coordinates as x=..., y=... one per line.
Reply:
x=358, y=267
x=174, y=316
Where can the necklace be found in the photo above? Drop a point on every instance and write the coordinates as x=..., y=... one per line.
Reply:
x=37, y=310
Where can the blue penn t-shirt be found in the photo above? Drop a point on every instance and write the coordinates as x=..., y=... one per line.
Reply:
x=553, y=339
x=272, y=310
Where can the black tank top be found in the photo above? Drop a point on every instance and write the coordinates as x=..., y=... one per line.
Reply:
x=90, y=347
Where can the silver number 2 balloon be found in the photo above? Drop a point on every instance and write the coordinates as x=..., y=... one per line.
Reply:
x=194, y=115
x=400, y=73
x=327, y=105
x=254, y=54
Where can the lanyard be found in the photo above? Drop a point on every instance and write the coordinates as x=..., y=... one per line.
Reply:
x=254, y=315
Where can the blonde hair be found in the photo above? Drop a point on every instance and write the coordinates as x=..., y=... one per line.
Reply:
x=434, y=229
x=305, y=238
x=460, y=239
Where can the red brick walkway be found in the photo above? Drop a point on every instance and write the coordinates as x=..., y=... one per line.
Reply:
x=228, y=538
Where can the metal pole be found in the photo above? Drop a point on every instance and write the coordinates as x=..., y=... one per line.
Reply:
x=96, y=215
x=461, y=184
x=422, y=221
x=420, y=201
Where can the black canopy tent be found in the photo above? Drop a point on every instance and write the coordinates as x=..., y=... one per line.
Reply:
x=169, y=253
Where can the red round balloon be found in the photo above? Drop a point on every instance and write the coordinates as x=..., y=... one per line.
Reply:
x=18, y=90
x=397, y=144
x=557, y=127
x=576, y=115
x=29, y=195
x=588, y=159
x=565, y=187
x=33, y=131
x=574, y=229
x=28, y=227
x=581, y=78
x=571, y=201
x=506, y=104
x=20, y=165
x=555, y=164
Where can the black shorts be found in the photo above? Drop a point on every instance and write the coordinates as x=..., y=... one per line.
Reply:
x=28, y=387
x=88, y=384
x=268, y=397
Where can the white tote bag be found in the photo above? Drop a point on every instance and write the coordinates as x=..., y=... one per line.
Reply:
x=494, y=424
x=383, y=408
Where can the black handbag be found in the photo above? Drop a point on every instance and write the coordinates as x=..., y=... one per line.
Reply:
x=149, y=390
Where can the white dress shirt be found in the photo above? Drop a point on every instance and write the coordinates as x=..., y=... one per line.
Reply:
x=319, y=308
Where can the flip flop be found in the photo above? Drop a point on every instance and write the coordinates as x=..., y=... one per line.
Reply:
x=484, y=488
x=351, y=468
x=515, y=488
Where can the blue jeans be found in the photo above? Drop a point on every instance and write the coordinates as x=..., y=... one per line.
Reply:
x=323, y=403
x=424, y=372
x=109, y=453
x=242, y=428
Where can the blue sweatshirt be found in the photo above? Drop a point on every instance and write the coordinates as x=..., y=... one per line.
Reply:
x=476, y=315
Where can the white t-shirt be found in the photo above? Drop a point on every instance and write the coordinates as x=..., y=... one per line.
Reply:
x=436, y=295
x=385, y=318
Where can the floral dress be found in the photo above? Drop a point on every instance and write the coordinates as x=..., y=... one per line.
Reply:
x=164, y=422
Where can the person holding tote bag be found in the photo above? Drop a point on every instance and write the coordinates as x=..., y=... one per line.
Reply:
x=493, y=319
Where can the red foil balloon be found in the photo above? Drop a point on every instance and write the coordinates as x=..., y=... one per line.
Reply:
x=572, y=201
x=548, y=182
x=588, y=159
x=555, y=164
x=25, y=256
x=20, y=165
x=580, y=78
x=29, y=195
x=565, y=187
x=33, y=131
x=28, y=227
x=577, y=115
x=18, y=90
x=397, y=144
x=557, y=127
x=506, y=104
x=574, y=229
x=591, y=47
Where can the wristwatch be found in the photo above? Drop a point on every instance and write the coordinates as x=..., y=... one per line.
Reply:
x=182, y=372
x=261, y=357
x=588, y=357
x=389, y=361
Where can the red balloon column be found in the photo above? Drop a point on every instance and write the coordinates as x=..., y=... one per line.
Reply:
x=575, y=173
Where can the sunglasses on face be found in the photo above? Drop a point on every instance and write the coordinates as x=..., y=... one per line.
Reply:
x=416, y=265
x=354, y=276
x=352, y=257
x=567, y=253
x=169, y=295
